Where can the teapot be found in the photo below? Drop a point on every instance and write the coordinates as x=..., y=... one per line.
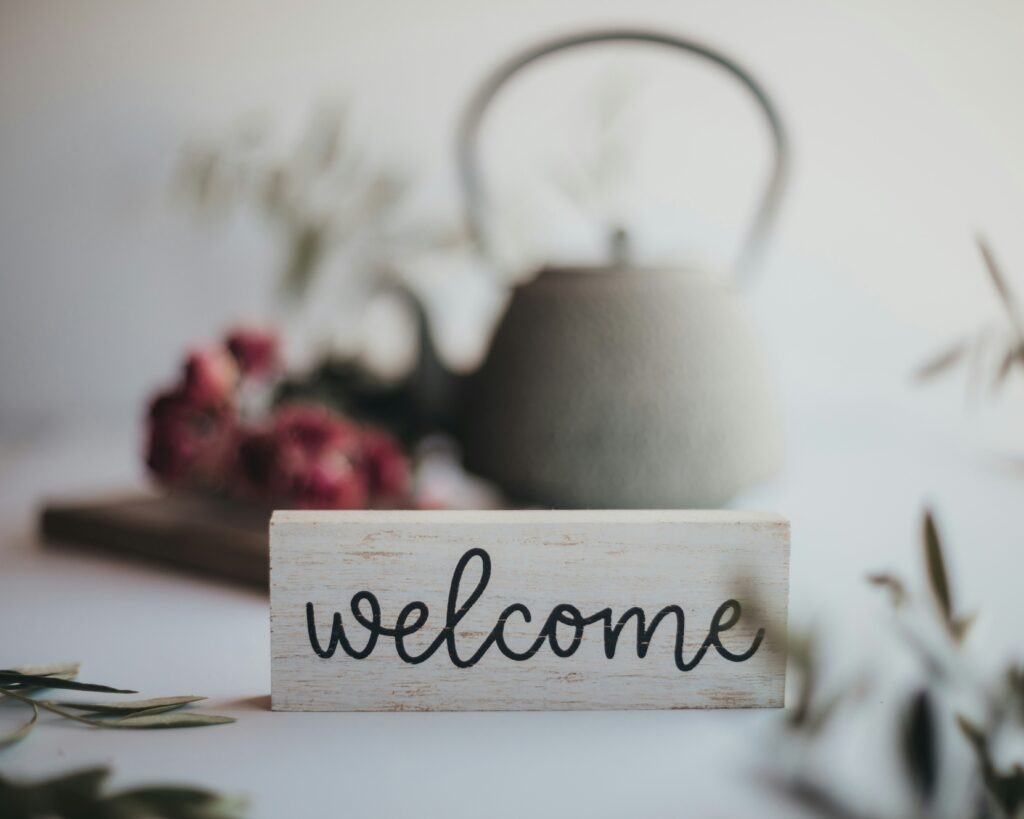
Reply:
x=612, y=386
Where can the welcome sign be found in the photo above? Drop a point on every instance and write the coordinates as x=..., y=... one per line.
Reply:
x=531, y=610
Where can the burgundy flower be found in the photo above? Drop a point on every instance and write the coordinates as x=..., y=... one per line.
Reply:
x=302, y=456
x=386, y=467
x=189, y=444
x=306, y=458
x=211, y=376
x=313, y=429
x=253, y=473
x=255, y=350
x=327, y=481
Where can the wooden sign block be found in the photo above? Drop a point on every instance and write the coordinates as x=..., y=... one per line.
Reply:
x=530, y=610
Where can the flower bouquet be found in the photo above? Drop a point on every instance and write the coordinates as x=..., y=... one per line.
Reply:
x=217, y=431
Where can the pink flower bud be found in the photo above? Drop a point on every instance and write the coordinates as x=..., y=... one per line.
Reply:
x=255, y=350
x=386, y=467
x=313, y=428
x=306, y=458
x=328, y=481
x=211, y=376
x=256, y=455
x=189, y=445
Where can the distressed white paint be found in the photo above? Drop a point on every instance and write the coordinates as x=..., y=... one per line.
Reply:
x=590, y=559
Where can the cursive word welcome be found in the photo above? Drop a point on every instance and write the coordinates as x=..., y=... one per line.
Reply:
x=414, y=616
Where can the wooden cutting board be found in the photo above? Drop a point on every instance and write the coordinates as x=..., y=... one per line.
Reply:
x=226, y=540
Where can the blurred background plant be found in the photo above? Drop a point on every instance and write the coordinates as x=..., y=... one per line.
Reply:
x=951, y=736
x=348, y=241
x=84, y=795
x=996, y=349
x=322, y=197
x=341, y=216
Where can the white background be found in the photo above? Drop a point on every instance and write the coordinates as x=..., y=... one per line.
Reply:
x=906, y=118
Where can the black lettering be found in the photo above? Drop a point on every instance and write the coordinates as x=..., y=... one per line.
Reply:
x=413, y=617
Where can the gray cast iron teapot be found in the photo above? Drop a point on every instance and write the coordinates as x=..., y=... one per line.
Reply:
x=612, y=386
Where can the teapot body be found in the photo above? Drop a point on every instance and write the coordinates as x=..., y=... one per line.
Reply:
x=622, y=389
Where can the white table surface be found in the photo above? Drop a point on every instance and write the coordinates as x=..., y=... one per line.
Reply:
x=853, y=488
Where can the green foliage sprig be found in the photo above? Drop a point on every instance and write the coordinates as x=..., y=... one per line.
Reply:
x=22, y=683
x=999, y=790
x=977, y=348
x=82, y=795
x=324, y=198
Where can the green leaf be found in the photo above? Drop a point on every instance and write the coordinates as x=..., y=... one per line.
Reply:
x=975, y=736
x=937, y=568
x=1014, y=682
x=70, y=795
x=171, y=802
x=305, y=251
x=167, y=721
x=11, y=678
x=81, y=794
x=959, y=626
x=897, y=592
x=920, y=746
x=1005, y=366
x=803, y=658
x=21, y=731
x=1007, y=789
x=942, y=362
x=144, y=719
x=125, y=707
x=996, y=275
x=63, y=671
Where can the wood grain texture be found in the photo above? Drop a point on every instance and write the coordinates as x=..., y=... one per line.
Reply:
x=592, y=560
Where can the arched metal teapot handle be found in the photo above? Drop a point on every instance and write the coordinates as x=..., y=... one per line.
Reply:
x=467, y=144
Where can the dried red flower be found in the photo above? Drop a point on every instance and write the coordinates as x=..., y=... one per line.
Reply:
x=211, y=376
x=303, y=456
x=188, y=443
x=255, y=350
x=387, y=468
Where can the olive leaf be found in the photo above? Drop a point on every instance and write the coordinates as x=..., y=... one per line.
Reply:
x=138, y=720
x=998, y=791
x=13, y=680
x=63, y=671
x=942, y=362
x=897, y=591
x=1006, y=365
x=74, y=794
x=1013, y=682
x=959, y=626
x=21, y=731
x=56, y=671
x=936, y=565
x=974, y=348
x=1007, y=789
x=16, y=684
x=81, y=794
x=173, y=803
x=920, y=746
x=126, y=707
x=999, y=282
x=816, y=800
x=803, y=657
x=157, y=720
